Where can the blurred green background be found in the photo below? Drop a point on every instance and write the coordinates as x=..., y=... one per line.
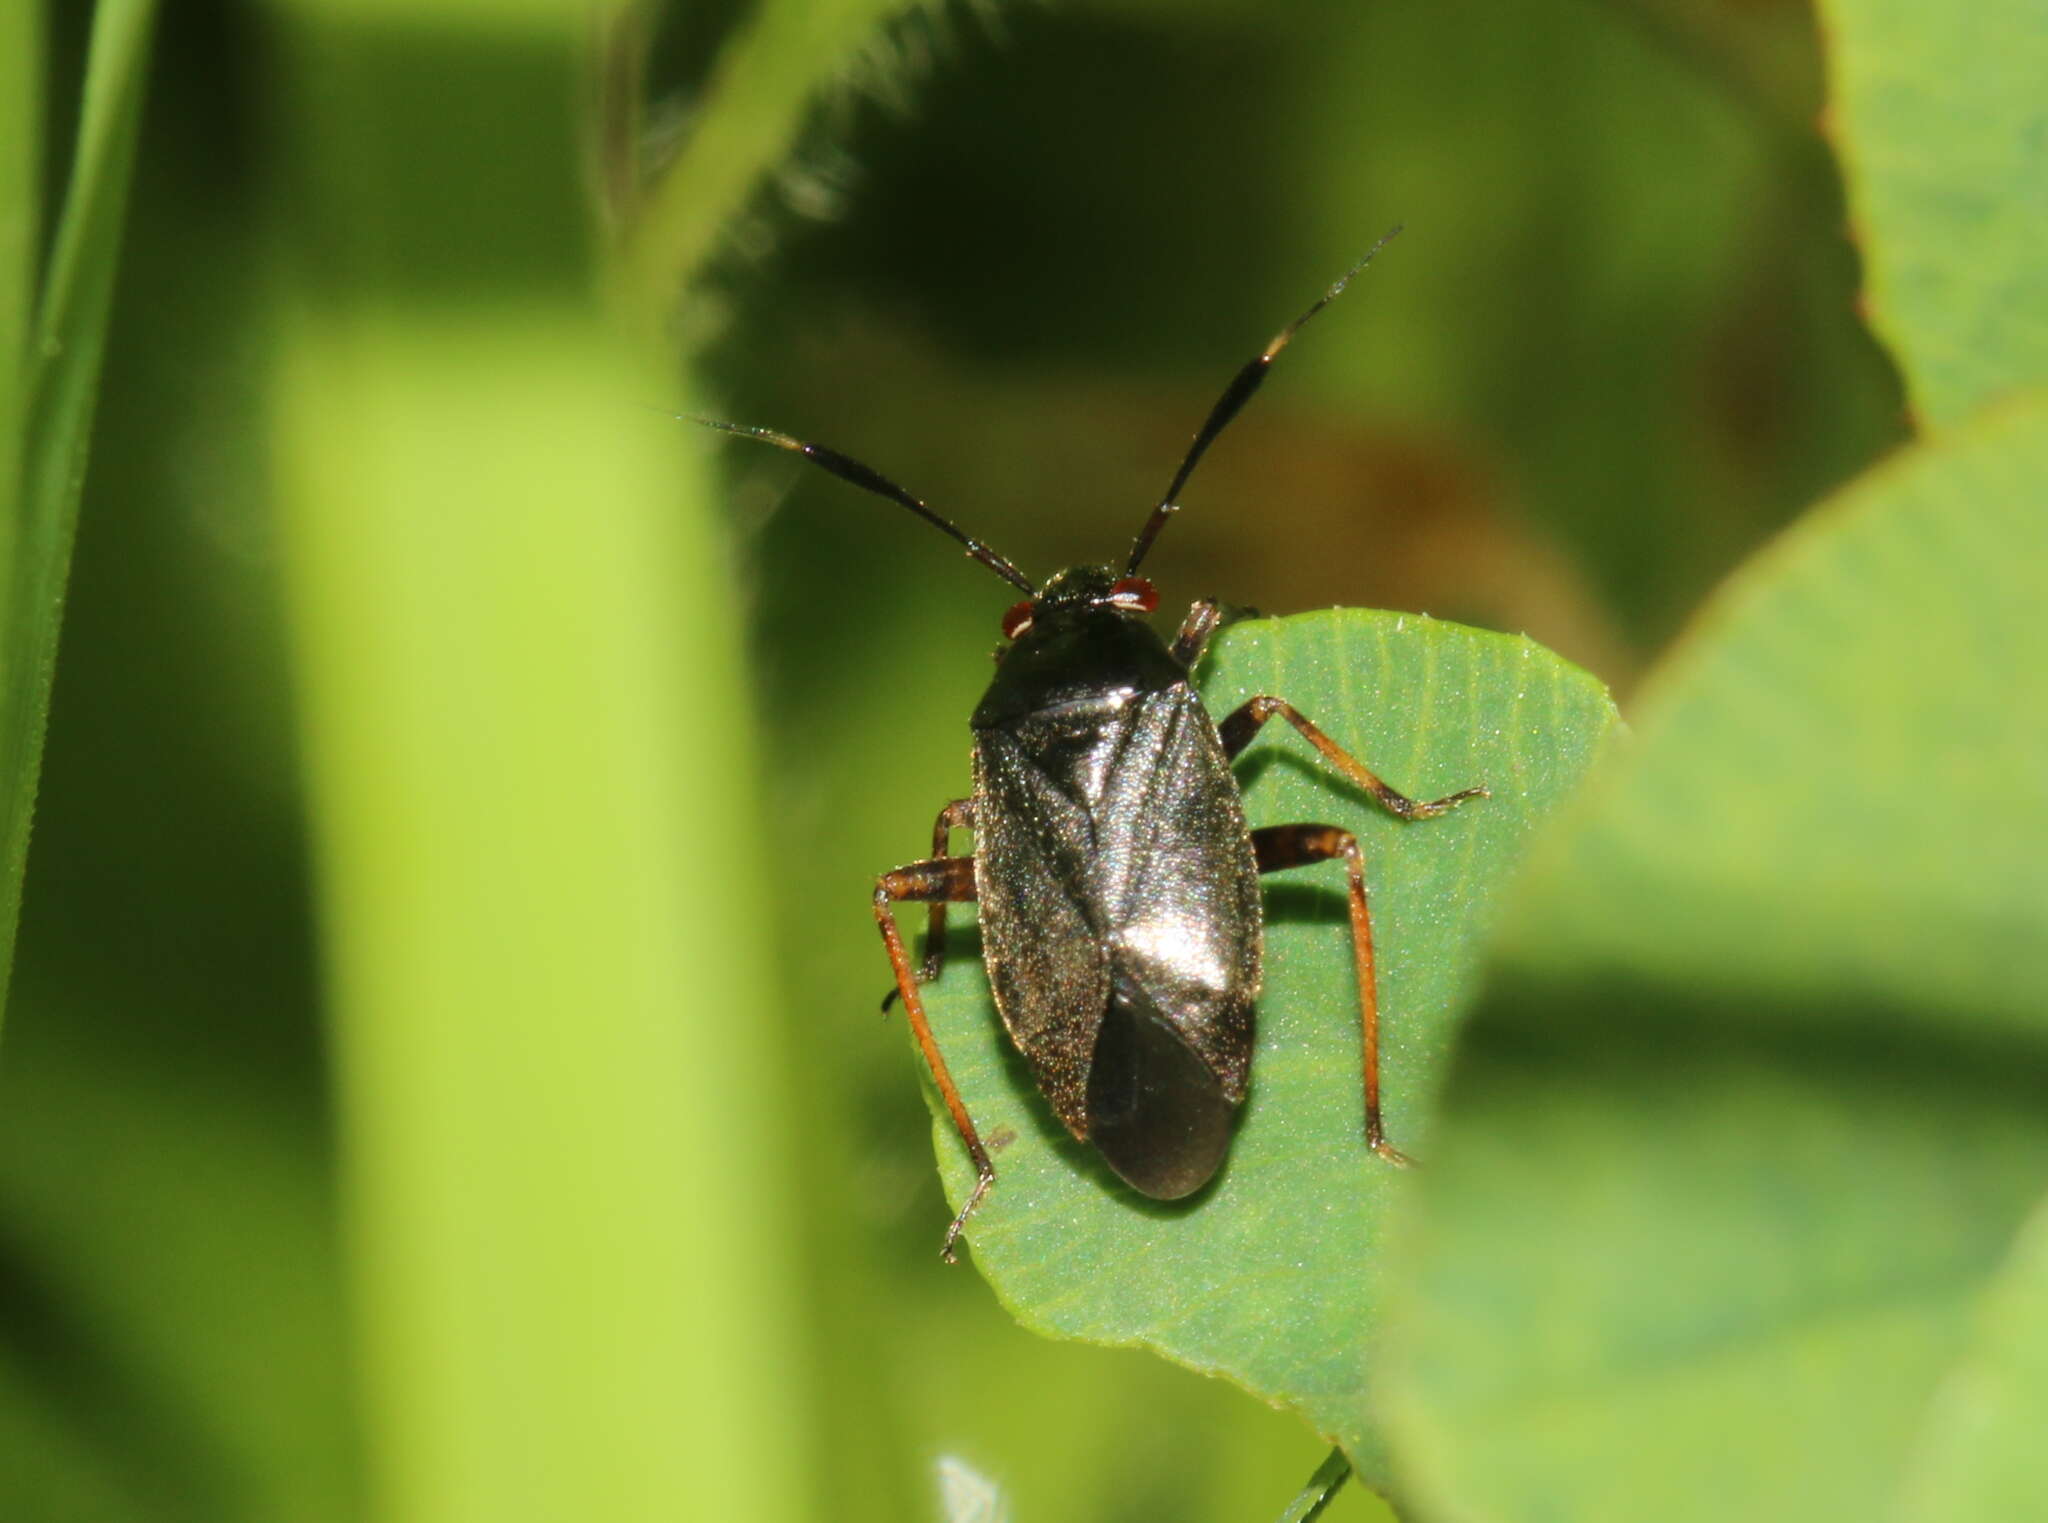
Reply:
x=1011, y=260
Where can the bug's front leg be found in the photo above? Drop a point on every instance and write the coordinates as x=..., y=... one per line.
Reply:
x=939, y=881
x=1243, y=723
x=1279, y=847
x=957, y=815
x=1203, y=620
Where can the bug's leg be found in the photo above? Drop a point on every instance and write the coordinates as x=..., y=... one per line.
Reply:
x=942, y=880
x=1279, y=847
x=1243, y=723
x=1203, y=620
x=957, y=815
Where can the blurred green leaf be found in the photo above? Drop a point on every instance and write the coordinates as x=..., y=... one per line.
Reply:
x=1744, y=1127
x=1855, y=730
x=1980, y=1460
x=1270, y=1276
x=61, y=376
x=1942, y=125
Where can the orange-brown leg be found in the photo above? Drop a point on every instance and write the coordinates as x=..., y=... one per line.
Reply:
x=942, y=880
x=955, y=816
x=1243, y=723
x=1283, y=846
x=1279, y=847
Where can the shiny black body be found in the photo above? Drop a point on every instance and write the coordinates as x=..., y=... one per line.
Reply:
x=1120, y=914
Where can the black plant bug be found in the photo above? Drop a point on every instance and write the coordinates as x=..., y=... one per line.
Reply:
x=1117, y=876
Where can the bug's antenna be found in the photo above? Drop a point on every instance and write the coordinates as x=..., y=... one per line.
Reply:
x=846, y=468
x=1235, y=395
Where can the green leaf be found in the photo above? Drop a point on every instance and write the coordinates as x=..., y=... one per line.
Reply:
x=1942, y=125
x=1270, y=1276
x=1753, y=1106
x=38, y=521
x=1980, y=1461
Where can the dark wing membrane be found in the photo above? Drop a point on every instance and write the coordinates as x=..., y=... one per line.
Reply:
x=1176, y=877
x=1040, y=931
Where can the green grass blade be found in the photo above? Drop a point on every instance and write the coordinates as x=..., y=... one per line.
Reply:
x=21, y=149
x=1271, y=1276
x=62, y=376
x=527, y=739
x=1744, y=1129
x=542, y=861
x=766, y=83
x=1321, y=1490
x=1942, y=124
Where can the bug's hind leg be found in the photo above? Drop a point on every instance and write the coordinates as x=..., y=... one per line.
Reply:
x=1279, y=847
x=1243, y=723
x=939, y=881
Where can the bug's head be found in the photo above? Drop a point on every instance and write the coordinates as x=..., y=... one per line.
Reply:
x=1077, y=591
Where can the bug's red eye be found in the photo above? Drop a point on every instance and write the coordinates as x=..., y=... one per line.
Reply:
x=1135, y=592
x=1017, y=620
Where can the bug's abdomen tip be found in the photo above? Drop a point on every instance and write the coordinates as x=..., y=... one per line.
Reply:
x=1156, y=1112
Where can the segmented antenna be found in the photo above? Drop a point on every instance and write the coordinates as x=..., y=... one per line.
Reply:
x=1235, y=395
x=846, y=468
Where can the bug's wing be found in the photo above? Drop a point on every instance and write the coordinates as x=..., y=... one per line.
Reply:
x=1041, y=935
x=1180, y=885
x=1120, y=922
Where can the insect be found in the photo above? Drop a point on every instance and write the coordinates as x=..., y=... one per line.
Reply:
x=1116, y=874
